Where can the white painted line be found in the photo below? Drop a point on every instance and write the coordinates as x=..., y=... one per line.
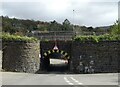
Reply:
x=67, y=81
x=80, y=83
x=65, y=78
x=70, y=83
x=73, y=79
x=76, y=81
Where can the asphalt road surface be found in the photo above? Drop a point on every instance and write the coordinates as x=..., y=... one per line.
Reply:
x=9, y=78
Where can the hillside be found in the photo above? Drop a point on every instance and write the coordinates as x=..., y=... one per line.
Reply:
x=23, y=27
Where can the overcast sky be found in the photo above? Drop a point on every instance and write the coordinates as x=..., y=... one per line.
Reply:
x=86, y=12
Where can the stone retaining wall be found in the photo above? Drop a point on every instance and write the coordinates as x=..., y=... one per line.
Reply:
x=0, y=60
x=0, y=54
x=21, y=57
x=102, y=57
x=98, y=57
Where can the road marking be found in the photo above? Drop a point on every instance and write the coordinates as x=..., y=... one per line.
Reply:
x=76, y=81
x=70, y=83
x=65, y=78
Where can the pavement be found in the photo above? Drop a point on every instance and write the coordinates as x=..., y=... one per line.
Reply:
x=12, y=78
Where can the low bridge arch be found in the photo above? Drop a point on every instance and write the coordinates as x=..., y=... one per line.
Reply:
x=47, y=52
x=63, y=53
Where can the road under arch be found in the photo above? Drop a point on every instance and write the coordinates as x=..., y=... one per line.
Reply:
x=56, y=61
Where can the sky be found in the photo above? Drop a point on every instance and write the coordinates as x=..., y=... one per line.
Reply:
x=79, y=12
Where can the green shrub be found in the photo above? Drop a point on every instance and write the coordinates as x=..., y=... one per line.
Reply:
x=115, y=29
x=8, y=37
x=94, y=38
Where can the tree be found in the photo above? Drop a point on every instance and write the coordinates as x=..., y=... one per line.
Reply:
x=7, y=25
x=54, y=26
x=13, y=25
x=90, y=28
x=67, y=25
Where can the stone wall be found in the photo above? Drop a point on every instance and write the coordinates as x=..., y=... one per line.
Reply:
x=0, y=54
x=98, y=57
x=0, y=60
x=21, y=57
x=101, y=57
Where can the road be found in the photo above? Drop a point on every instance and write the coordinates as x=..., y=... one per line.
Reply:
x=9, y=78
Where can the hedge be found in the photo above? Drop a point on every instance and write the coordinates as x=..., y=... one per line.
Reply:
x=8, y=37
x=95, y=38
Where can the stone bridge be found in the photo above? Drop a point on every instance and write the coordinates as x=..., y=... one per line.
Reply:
x=82, y=57
x=87, y=57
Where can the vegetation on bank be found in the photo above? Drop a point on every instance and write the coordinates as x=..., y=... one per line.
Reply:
x=113, y=36
x=26, y=26
x=8, y=37
x=18, y=30
x=99, y=38
x=115, y=29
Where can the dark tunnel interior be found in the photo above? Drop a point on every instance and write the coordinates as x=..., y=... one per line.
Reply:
x=56, y=62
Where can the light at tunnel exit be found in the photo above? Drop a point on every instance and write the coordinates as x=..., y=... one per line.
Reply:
x=58, y=61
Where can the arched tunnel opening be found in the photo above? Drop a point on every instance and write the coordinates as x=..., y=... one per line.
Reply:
x=56, y=61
